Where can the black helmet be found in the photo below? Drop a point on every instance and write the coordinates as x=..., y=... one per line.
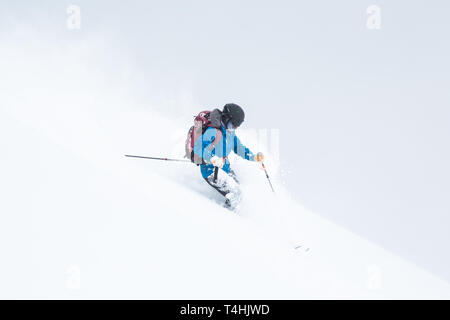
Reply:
x=232, y=112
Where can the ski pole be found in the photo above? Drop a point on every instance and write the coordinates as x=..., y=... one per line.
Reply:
x=268, y=179
x=154, y=158
x=216, y=171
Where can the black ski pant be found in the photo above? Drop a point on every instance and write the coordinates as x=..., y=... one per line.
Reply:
x=221, y=190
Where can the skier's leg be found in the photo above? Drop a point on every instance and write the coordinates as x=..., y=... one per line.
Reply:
x=227, y=187
x=216, y=186
x=227, y=168
x=233, y=175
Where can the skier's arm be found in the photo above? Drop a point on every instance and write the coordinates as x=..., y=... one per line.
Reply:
x=242, y=150
x=203, y=147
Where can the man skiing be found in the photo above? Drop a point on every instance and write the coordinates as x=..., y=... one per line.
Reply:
x=212, y=148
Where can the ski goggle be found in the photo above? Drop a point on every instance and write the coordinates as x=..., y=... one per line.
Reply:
x=230, y=126
x=233, y=125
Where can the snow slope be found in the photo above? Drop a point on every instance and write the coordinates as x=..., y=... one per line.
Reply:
x=79, y=220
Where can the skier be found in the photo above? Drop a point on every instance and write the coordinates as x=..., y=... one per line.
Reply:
x=212, y=148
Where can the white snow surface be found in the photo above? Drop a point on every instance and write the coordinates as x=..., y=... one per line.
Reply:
x=80, y=220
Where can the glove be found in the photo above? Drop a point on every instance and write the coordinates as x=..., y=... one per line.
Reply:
x=259, y=157
x=217, y=162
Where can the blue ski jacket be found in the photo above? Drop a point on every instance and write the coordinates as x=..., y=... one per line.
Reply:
x=219, y=142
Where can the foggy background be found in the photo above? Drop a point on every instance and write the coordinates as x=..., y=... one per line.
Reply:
x=363, y=114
